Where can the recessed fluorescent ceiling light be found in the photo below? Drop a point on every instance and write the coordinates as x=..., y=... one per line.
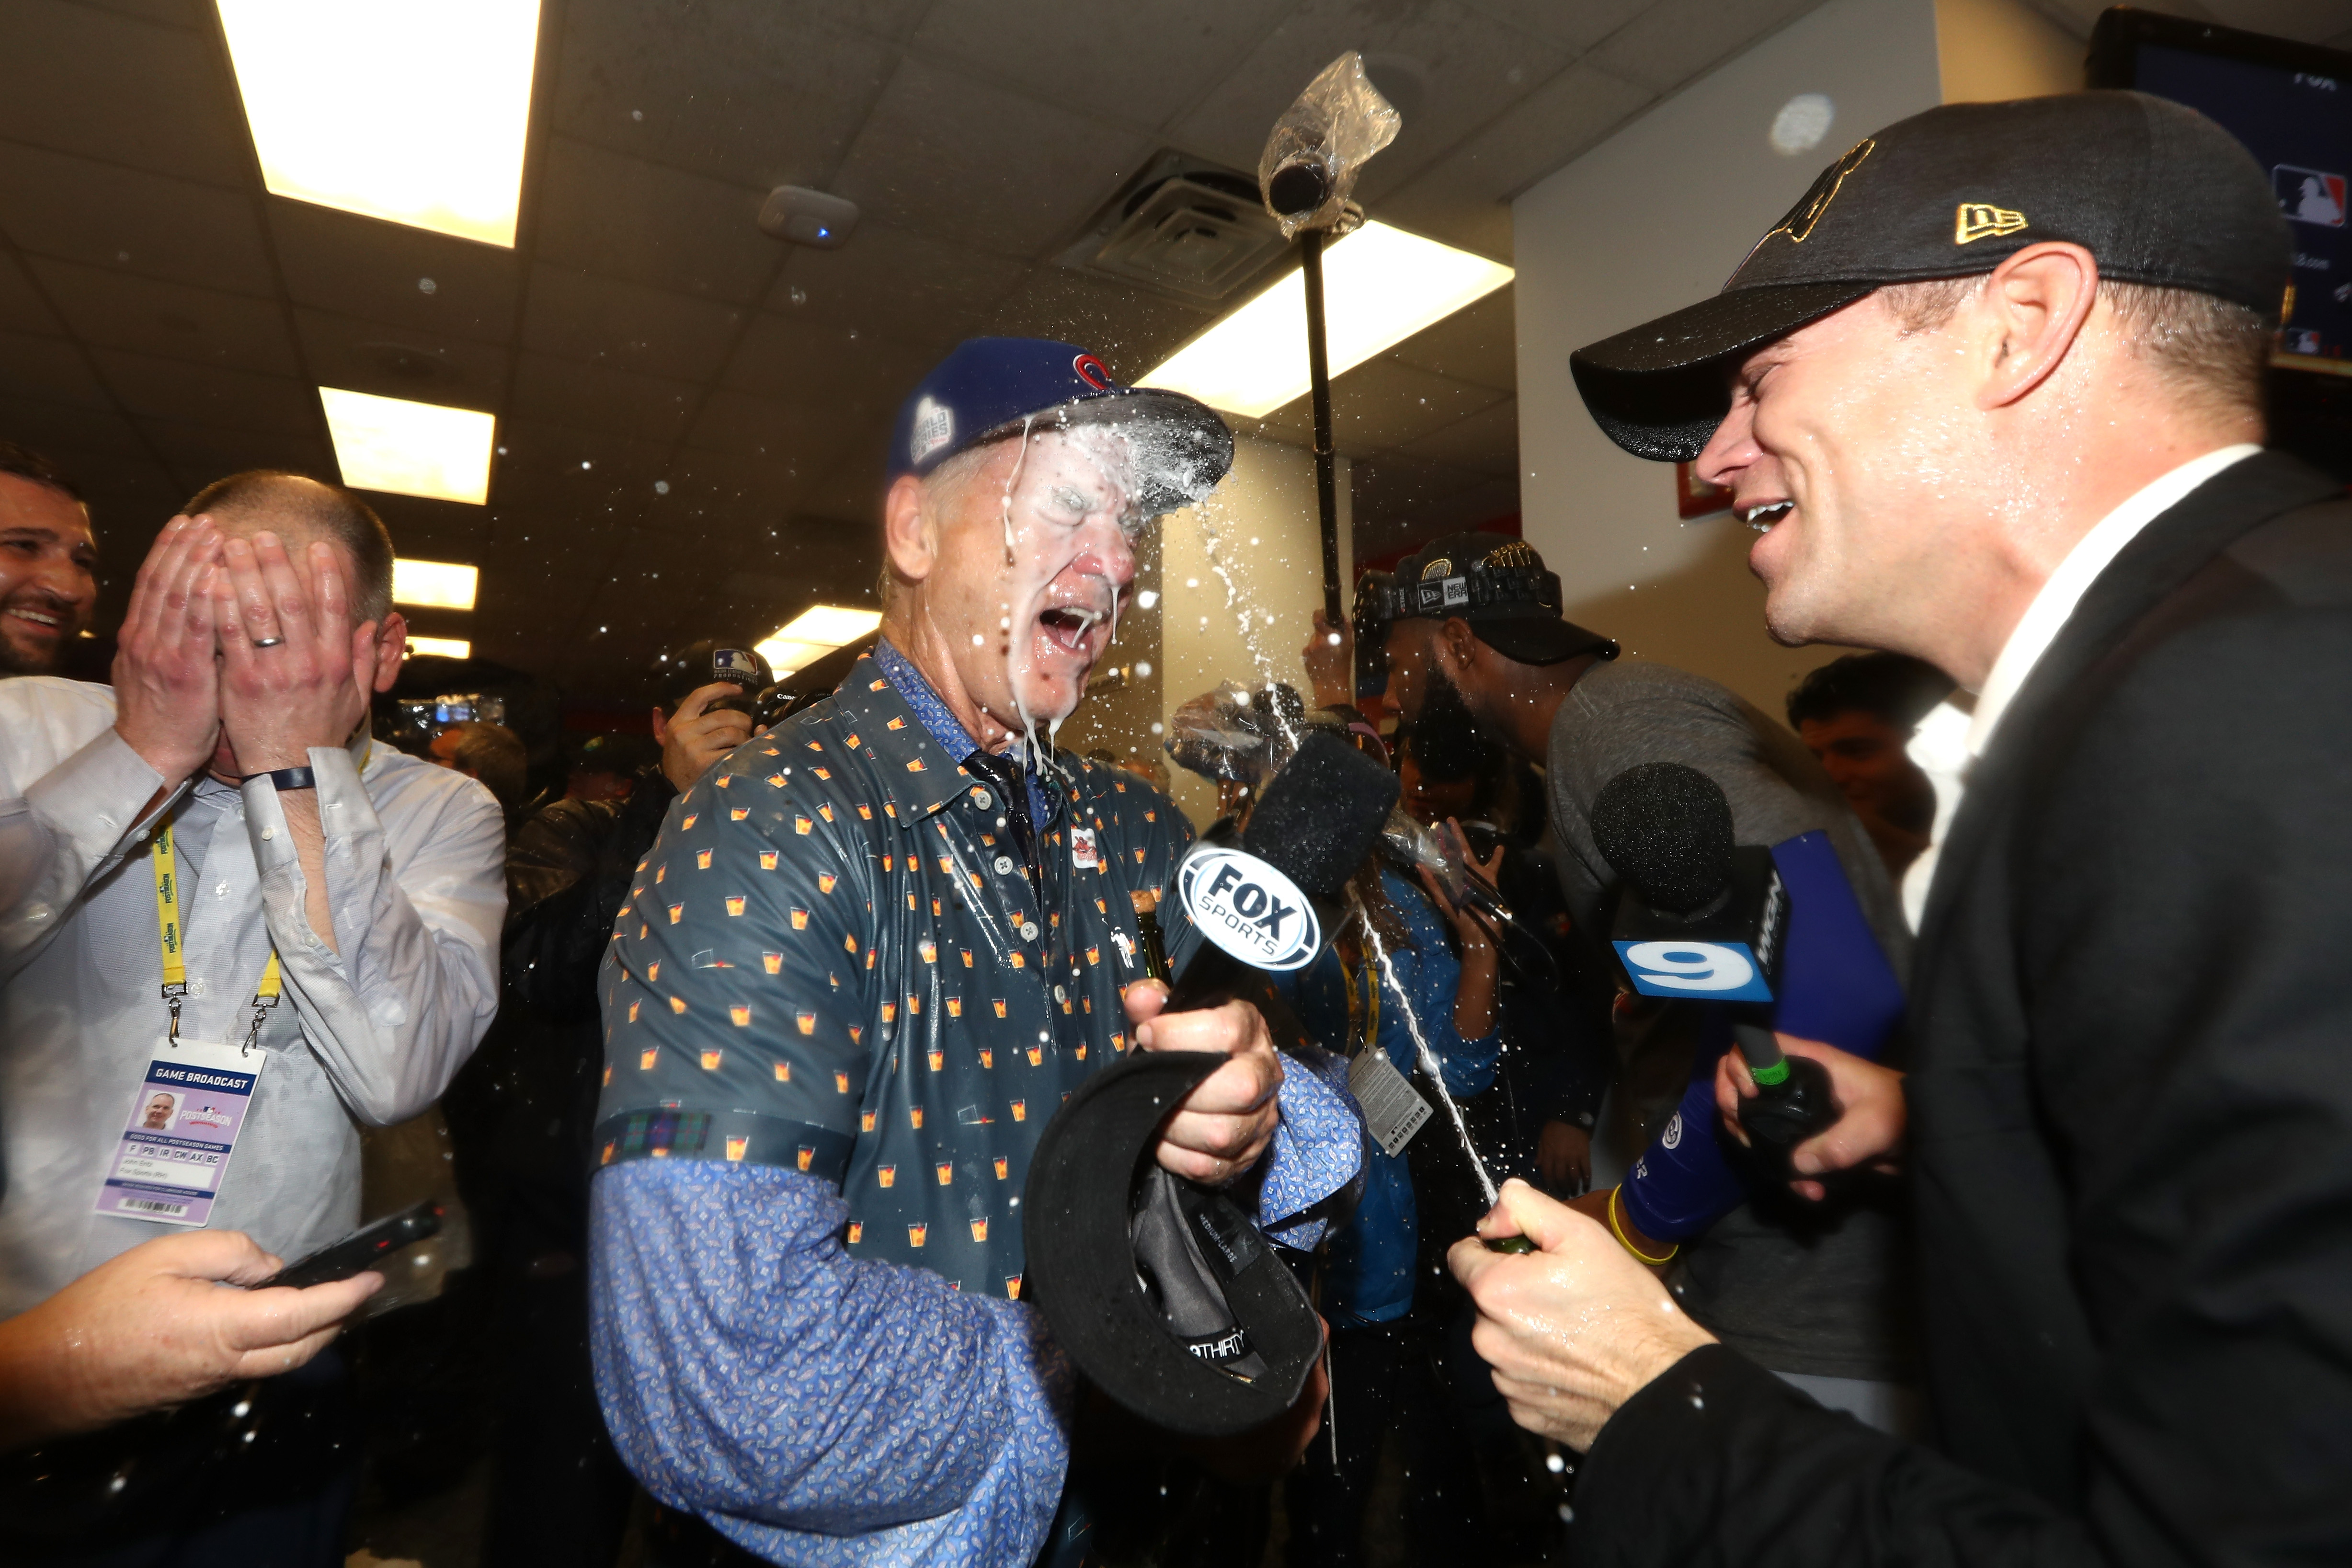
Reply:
x=446, y=648
x=1380, y=285
x=830, y=625
x=814, y=634
x=413, y=112
x=444, y=584
x=410, y=448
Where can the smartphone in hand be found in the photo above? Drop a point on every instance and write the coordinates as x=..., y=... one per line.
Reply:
x=363, y=1248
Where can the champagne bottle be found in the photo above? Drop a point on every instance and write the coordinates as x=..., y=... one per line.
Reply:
x=1147, y=931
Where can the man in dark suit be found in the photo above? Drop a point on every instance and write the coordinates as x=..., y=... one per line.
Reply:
x=1995, y=393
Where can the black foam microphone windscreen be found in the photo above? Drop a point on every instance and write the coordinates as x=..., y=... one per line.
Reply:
x=1320, y=815
x=1666, y=829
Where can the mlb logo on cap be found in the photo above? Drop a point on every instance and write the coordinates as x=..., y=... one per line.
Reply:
x=734, y=664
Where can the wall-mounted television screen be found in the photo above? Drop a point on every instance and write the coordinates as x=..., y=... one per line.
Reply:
x=2291, y=104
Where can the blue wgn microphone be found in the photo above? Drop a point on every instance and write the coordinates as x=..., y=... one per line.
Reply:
x=1702, y=919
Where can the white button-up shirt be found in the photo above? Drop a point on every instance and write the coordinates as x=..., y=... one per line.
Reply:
x=1949, y=740
x=370, y=1034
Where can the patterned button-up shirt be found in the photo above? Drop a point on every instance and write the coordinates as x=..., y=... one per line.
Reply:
x=836, y=961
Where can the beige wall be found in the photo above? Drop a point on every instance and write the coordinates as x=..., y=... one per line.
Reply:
x=1653, y=219
x=1262, y=524
x=1990, y=50
x=1657, y=218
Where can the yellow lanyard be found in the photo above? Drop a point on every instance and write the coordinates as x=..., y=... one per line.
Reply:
x=170, y=935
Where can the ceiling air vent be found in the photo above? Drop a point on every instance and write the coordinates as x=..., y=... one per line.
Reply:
x=1200, y=233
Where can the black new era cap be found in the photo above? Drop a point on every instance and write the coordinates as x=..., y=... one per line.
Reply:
x=1498, y=585
x=2157, y=193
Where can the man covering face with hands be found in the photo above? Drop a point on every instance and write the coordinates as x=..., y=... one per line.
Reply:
x=871, y=953
x=234, y=897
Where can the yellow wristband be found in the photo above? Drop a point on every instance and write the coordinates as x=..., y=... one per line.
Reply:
x=1617, y=1198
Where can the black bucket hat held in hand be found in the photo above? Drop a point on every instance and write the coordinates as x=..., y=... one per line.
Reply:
x=1221, y=1337
x=1496, y=583
x=2158, y=194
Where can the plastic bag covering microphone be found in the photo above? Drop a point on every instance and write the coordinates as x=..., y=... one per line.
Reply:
x=1321, y=144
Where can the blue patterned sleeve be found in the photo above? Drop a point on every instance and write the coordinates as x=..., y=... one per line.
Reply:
x=1318, y=1148
x=816, y=1409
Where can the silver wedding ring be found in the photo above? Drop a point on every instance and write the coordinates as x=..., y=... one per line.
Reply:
x=268, y=642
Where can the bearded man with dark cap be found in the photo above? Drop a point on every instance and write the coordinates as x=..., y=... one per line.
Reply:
x=1993, y=388
x=1476, y=648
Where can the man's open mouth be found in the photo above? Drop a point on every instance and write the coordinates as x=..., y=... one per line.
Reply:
x=1066, y=628
x=1764, y=514
x=38, y=618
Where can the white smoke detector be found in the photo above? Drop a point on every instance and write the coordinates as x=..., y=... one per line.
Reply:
x=808, y=217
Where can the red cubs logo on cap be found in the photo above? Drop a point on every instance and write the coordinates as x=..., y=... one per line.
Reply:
x=1091, y=370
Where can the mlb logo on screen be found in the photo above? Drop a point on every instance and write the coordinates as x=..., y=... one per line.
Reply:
x=2309, y=195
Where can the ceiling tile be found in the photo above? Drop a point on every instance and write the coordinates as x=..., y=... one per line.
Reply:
x=21, y=309
x=395, y=361
x=432, y=529
x=50, y=369
x=62, y=430
x=1014, y=174
x=1675, y=41
x=802, y=433
x=1486, y=441
x=1383, y=404
x=596, y=397
x=169, y=12
x=579, y=315
x=576, y=478
x=211, y=394
x=1477, y=343
x=753, y=92
x=82, y=210
x=1451, y=68
x=1574, y=28
x=802, y=356
x=1561, y=118
x=1129, y=329
x=108, y=307
x=707, y=485
x=111, y=86
x=897, y=283
x=1138, y=64
x=354, y=265
x=198, y=453
x=684, y=232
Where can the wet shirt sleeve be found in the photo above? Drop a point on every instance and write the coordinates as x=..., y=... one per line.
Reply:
x=816, y=1409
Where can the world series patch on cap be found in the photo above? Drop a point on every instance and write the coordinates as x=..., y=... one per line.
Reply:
x=989, y=388
x=2157, y=193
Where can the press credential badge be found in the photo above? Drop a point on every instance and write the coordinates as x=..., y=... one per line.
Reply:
x=183, y=1125
x=191, y=1105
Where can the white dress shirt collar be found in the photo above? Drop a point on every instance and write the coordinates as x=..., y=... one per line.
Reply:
x=2055, y=605
x=1949, y=740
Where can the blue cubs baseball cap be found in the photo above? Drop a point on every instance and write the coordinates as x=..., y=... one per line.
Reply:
x=989, y=388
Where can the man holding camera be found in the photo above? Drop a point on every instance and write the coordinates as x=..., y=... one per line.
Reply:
x=520, y=1112
x=1994, y=389
x=240, y=898
x=870, y=956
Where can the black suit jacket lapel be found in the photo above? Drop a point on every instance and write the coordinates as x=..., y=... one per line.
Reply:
x=2167, y=553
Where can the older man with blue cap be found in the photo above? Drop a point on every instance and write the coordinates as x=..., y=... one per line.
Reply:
x=871, y=952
